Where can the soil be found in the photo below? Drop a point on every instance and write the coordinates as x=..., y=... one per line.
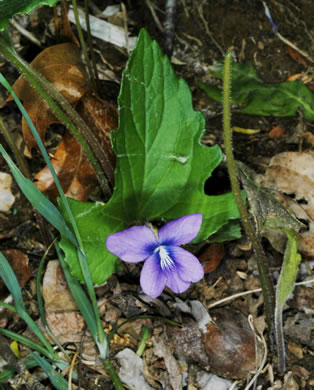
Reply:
x=204, y=31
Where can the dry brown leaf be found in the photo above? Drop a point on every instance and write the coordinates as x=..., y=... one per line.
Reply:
x=63, y=30
x=61, y=65
x=230, y=344
x=19, y=262
x=212, y=256
x=292, y=173
x=76, y=176
x=276, y=132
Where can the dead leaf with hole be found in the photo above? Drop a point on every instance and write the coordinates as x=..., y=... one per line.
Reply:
x=76, y=175
x=61, y=65
x=291, y=174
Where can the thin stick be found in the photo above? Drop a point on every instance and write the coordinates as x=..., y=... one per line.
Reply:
x=90, y=43
x=83, y=45
x=169, y=26
x=241, y=294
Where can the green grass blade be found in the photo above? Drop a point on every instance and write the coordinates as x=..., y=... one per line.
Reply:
x=7, y=306
x=80, y=248
x=55, y=378
x=43, y=151
x=25, y=341
x=5, y=375
x=13, y=286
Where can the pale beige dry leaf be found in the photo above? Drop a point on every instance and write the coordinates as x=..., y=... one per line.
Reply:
x=292, y=175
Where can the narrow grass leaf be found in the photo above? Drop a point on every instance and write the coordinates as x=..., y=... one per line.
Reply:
x=55, y=378
x=80, y=252
x=41, y=146
x=9, y=278
x=5, y=375
x=25, y=341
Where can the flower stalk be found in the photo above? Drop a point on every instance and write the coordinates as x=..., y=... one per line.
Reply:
x=266, y=282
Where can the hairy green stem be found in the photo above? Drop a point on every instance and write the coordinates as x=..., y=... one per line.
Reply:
x=113, y=374
x=83, y=45
x=67, y=115
x=266, y=282
x=280, y=341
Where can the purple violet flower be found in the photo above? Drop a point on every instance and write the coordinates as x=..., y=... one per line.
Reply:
x=166, y=263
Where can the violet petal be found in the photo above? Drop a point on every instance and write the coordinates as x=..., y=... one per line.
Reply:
x=152, y=280
x=132, y=245
x=187, y=265
x=180, y=231
x=175, y=283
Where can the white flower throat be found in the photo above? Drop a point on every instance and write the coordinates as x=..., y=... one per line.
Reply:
x=166, y=261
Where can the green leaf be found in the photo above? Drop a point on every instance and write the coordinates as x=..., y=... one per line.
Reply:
x=289, y=271
x=9, y=8
x=258, y=98
x=161, y=167
x=285, y=286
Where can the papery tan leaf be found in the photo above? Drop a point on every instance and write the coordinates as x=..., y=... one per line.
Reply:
x=292, y=173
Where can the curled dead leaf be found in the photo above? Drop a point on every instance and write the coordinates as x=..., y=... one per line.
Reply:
x=61, y=65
